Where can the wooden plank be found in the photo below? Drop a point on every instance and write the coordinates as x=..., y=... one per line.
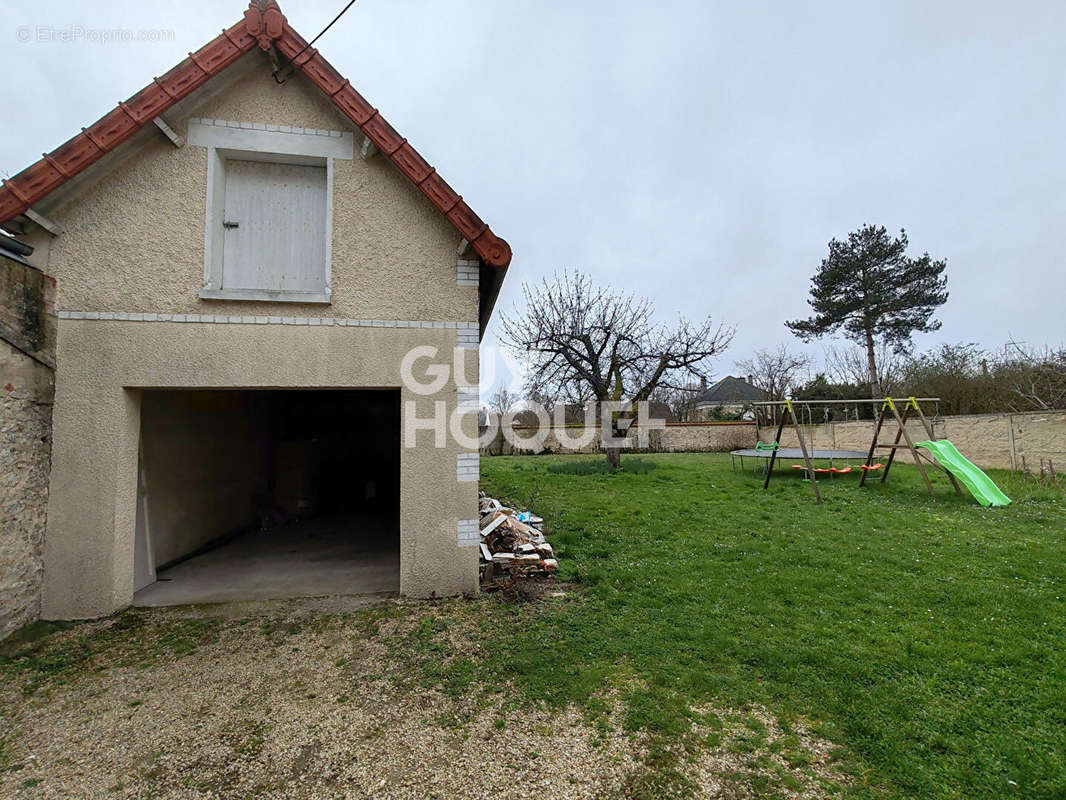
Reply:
x=144, y=552
x=1010, y=438
x=369, y=149
x=895, y=443
x=53, y=228
x=806, y=458
x=773, y=455
x=809, y=403
x=902, y=421
x=932, y=437
x=497, y=522
x=873, y=445
x=176, y=140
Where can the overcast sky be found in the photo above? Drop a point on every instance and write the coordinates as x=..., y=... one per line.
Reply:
x=700, y=153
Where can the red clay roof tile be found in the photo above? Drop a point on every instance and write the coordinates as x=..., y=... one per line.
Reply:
x=263, y=27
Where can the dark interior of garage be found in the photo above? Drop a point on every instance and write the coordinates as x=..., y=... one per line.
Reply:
x=261, y=494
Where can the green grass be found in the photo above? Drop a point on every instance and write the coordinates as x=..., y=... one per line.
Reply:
x=633, y=466
x=925, y=635
x=36, y=657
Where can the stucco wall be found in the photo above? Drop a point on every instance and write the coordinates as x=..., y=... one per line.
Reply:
x=134, y=240
x=89, y=546
x=204, y=460
x=25, y=452
x=994, y=441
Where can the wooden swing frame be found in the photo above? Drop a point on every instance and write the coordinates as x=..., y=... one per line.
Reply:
x=888, y=405
x=901, y=432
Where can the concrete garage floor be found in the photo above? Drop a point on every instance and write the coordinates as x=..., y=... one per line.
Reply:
x=336, y=555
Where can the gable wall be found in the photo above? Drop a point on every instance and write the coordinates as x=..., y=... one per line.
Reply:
x=134, y=242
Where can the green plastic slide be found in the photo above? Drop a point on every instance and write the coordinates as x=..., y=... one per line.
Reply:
x=980, y=485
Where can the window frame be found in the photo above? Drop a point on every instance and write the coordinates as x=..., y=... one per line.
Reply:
x=262, y=143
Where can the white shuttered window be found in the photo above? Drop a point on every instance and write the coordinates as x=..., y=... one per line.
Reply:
x=269, y=210
x=274, y=227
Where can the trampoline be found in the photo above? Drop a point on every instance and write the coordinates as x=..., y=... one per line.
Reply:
x=795, y=452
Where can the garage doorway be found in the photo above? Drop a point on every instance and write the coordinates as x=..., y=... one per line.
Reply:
x=263, y=494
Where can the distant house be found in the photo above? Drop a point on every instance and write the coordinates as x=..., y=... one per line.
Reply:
x=729, y=396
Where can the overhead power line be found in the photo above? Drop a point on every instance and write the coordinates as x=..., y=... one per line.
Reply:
x=304, y=48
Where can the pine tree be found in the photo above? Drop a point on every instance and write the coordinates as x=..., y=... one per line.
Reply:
x=869, y=288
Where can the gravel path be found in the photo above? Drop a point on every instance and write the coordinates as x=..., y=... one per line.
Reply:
x=298, y=700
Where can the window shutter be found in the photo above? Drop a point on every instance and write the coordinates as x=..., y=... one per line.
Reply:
x=274, y=227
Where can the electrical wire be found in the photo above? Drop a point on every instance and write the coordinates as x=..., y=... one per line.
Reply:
x=304, y=48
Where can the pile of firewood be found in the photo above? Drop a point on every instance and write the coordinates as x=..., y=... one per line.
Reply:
x=511, y=541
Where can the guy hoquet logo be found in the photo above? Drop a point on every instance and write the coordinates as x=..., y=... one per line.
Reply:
x=435, y=375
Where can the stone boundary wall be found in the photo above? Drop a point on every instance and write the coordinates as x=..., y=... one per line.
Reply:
x=27, y=388
x=26, y=448
x=992, y=441
x=27, y=384
x=678, y=437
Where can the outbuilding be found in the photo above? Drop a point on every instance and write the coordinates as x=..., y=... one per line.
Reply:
x=258, y=284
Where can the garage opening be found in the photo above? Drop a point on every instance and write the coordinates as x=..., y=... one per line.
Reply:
x=262, y=494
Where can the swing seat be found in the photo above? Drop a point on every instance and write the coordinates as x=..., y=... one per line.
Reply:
x=836, y=471
x=817, y=470
x=871, y=468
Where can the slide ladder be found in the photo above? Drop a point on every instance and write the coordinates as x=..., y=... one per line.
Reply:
x=980, y=485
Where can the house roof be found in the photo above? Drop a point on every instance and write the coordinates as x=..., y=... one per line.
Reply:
x=731, y=391
x=266, y=27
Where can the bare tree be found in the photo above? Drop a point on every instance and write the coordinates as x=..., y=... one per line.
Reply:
x=501, y=401
x=850, y=365
x=681, y=400
x=775, y=371
x=1038, y=375
x=582, y=338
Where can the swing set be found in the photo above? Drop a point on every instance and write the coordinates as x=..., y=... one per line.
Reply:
x=888, y=413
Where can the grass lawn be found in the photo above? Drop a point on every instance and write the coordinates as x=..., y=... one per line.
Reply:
x=705, y=639
x=924, y=635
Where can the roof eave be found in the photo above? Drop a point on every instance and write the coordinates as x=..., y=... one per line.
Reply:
x=268, y=28
x=491, y=280
x=493, y=250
